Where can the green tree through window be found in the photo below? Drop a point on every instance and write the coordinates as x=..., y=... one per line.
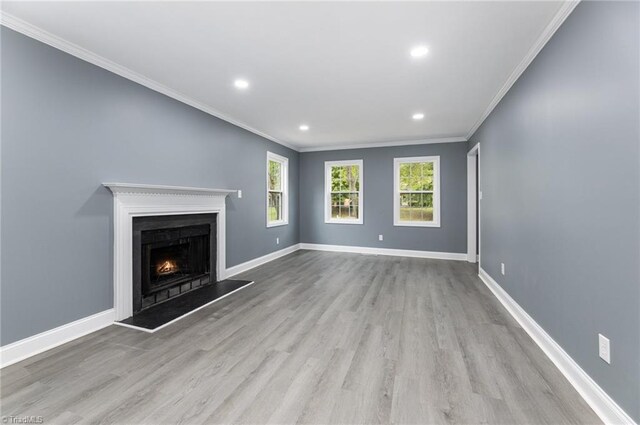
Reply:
x=345, y=186
x=276, y=190
x=344, y=191
x=416, y=191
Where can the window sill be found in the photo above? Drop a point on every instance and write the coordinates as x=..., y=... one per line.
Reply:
x=418, y=224
x=343, y=222
x=277, y=223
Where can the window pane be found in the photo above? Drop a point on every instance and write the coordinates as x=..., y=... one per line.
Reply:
x=415, y=182
x=405, y=210
x=335, y=205
x=354, y=204
x=353, y=213
x=416, y=214
x=415, y=207
x=416, y=176
x=355, y=200
x=345, y=178
x=344, y=185
x=345, y=205
x=405, y=176
x=337, y=179
x=348, y=178
x=415, y=200
x=427, y=176
x=353, y=178
x=427, y=207
x=275, y=171
x=275, y=206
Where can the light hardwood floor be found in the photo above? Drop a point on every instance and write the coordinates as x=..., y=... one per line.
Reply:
x=320, y=338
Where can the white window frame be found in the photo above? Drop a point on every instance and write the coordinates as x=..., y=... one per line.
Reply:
x=436, y=191
x=327, y=192
x=284, y=177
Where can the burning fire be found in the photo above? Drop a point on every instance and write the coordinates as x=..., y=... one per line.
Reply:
x=167, y=267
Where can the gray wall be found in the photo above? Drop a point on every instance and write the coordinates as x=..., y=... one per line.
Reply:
x=68, y=126
x=561, y=196
x=378, y=200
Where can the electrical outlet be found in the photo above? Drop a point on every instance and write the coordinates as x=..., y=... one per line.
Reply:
x=502, y=268
x=604, y=349
x=277, y=241
x=380, y=237
x=239, y=194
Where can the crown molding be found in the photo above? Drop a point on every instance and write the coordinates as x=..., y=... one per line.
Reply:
x=562, y=14
x=383, y=144
x=59, y=43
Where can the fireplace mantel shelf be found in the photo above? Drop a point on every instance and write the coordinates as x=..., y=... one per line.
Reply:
x=152, y=189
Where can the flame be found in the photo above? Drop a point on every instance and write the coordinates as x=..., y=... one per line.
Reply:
x=167, y=267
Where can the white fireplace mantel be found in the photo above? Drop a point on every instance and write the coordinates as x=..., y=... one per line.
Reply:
x=137, y=200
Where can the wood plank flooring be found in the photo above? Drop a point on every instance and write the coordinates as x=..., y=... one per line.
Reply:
x=320, y=338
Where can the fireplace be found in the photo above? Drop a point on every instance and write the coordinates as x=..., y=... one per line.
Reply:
x=172, y=255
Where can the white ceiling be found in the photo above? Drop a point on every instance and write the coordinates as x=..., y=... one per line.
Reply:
x=342, y=68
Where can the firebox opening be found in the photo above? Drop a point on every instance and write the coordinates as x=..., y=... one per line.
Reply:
x=172, y=255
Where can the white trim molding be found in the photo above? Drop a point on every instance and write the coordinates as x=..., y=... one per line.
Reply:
x=328, y=192
x=36, y=344
x=604, y=406
x=138, y=200
x=243, y=267
x=386, y=251
x=384, y=143
x=284, y=188
x=397, y=162
x=473, y=215
x=563, y=12
x=59, y=43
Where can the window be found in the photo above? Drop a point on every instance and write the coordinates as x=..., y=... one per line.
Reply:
x=416, y=191
x=343, y=192
x=277, y=190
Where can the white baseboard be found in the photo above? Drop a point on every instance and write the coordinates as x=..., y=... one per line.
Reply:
x=20, y=350
x=36, y=344
x=232, y=271
x=386, y=251
x=604, y=406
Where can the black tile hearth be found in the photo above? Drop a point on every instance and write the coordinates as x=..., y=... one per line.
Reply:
x=161, y=314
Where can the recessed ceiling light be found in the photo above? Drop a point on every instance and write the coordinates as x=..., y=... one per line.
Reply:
x=304, y=127
x=241, y=84
x=419, y=51
x=417, y=116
